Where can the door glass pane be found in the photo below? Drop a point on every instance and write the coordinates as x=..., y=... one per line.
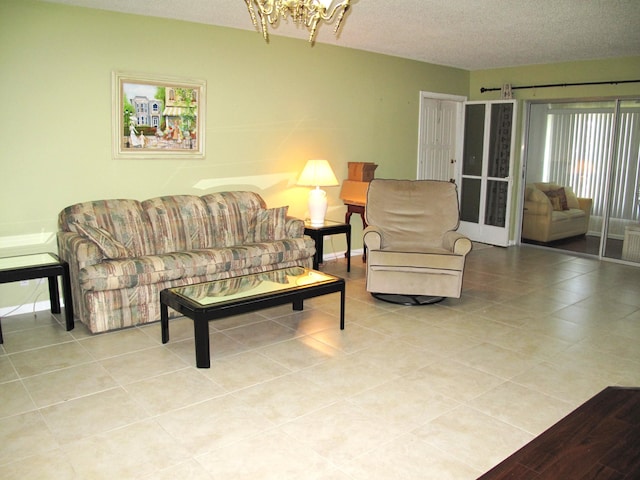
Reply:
x=500, y=140
x=470, y=200
x=623, y=228
x=473, y=140
x=496, y=207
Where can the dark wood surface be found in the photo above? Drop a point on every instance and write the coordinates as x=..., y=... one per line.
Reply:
x=598, y=440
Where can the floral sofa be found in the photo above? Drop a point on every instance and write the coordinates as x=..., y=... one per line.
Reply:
x=122, y=253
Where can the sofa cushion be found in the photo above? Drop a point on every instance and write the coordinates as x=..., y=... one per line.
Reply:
x=558, y=199
x=179, y=223
x=231, y=213
x=268, y=225
x=123, y=219
x=133, y=272
x=109, y=246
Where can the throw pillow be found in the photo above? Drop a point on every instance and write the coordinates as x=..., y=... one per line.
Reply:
x=268, y=225
x=109, y=246
x=558, y=199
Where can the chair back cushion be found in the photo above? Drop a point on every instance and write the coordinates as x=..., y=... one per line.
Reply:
x=413, y=214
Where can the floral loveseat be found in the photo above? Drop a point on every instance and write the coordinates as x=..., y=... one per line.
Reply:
x=122, y=253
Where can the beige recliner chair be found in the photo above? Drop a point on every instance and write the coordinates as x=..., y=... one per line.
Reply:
x=415, y=255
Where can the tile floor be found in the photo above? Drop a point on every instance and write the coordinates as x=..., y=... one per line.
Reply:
x=436, y=392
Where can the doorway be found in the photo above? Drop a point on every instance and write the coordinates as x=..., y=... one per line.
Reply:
x=592, y=149
x=472, y=145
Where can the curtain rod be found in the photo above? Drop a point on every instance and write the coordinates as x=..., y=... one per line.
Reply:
x=611, y=82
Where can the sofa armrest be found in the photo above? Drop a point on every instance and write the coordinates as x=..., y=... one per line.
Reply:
x=457, y=243
x=294, y=227
x=76, y=249
x=537, y=208
x=372, y=238
x=585, y=204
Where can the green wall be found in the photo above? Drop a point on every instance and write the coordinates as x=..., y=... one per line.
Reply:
x=270, y=107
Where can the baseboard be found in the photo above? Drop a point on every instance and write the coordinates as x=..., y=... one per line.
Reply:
x=26, y=308
x=336, y=255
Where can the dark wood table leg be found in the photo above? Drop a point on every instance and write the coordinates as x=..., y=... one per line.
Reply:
x=201, y=334
x=164, y=322
x=68, y=298
x=54, y=294
x=319, y=250
x=348, y=254
x=342, y=294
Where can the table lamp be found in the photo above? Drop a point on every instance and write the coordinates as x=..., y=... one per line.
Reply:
x=317, y=173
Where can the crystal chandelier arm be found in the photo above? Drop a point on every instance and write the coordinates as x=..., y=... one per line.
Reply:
x=302, y=12
x=345, y=7
x=252, y=12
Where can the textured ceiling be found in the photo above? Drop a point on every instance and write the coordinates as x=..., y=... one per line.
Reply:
x=469, y=34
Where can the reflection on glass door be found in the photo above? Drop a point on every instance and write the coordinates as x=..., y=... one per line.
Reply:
x=591, y=150
x=487, y=161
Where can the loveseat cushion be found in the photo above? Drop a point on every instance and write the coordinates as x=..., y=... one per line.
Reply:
x=558, y=199
x=132, y=272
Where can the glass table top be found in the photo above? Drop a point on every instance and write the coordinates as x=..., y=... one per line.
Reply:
x=327, y=223
x=251, y=286
x=26, y=261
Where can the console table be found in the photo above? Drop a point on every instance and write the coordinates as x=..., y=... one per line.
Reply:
x=41, y=265
x=354, y=196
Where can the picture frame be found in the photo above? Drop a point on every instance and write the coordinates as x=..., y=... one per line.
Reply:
x=157, y=117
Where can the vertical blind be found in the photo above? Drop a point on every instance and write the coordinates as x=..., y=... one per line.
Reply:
x=578, y=151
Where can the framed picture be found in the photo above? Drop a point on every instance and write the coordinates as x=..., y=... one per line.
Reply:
x=157, y=116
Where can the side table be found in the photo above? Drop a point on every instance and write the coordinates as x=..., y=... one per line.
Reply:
x=328, y=228
x=40, y=265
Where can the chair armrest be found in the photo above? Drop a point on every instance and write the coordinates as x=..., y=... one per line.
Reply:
x=457, y=243
x=372, y=238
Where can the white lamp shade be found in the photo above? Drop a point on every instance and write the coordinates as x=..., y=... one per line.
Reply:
x=317, y=173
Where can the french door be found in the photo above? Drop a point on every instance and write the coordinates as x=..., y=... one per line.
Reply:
x=486, y=176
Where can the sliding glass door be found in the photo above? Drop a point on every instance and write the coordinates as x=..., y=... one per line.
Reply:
x=592, y=149
x=624, y=186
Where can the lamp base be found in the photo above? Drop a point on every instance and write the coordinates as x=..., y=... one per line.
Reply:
x=317, y=207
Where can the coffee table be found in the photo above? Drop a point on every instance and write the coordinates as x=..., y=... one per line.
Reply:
x=41, y=265
x=218, y=299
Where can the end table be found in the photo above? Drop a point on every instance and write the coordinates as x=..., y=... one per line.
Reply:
x=40, y=265
x=318, y=232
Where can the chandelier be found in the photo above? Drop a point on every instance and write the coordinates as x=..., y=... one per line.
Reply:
x=307, y=13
